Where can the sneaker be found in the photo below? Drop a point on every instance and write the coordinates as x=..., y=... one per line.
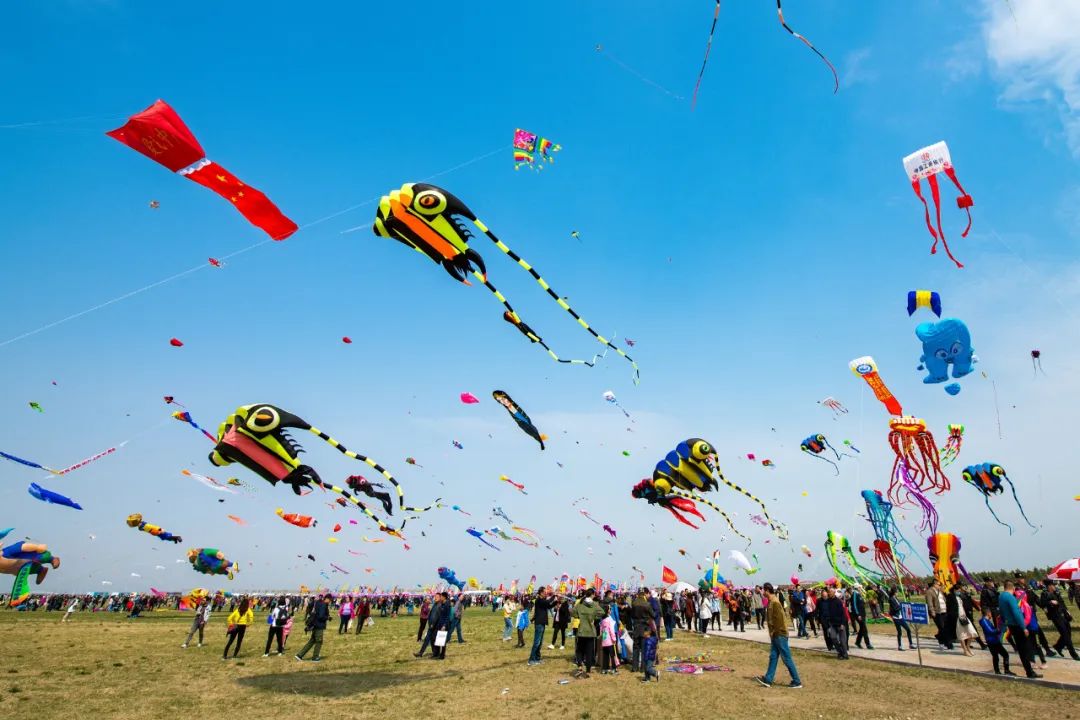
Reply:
x=551, y=647
x=298, y=658
x=644, y=679
x=869, y=647
x=1010, y=673
x=1034, y=676
x=900, y=648
x=562, y=647
x=184, y=646
x=266, y=654
x=795, y=686
x=199, y=645
x=316, y=659
x=763, y=682
x=414, y=655
x=614, y=672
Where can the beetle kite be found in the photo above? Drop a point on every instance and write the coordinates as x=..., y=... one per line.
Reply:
x=816, y=445
x=987, y=478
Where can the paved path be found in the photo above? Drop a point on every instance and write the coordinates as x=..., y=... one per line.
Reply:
x=1063, y=672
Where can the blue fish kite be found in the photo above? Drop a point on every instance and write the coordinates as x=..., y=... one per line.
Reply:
x=480, y=536
x=52, y=498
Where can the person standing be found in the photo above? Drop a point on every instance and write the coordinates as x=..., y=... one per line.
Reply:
x=935, y=605
x=361, y=611
x=439, y=620
x=834, y=622
x=587, y=613
x=667, y=612
x=811, y=611
x=239, y=619
x=559, y=623
x=798, y=610
x=541, y=607
x=650, y=654
x=509, y=608
x=198, y=623
x=425, y=611
x=705, y=614
x=778, y=640
x=758, y=607
x=1009, y=607
x=857, y=607
x=965, y=629
x=278, y=619
x=316, y=623
x=608, y=639
x=455, y=621
x=344, y=616
x=641, y=615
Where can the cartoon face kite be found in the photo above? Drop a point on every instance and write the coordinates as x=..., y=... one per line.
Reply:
x=927, y=163
x=135, y=520
x=22, y=559
x=519, y=416
x=211, y=561
x=945, y=343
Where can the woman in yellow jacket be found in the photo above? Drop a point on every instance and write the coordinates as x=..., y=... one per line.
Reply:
x=239, y=619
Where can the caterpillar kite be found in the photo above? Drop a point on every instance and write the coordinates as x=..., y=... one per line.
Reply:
x=429, y=220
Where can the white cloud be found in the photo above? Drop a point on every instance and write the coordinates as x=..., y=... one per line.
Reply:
x=1034, y=48
x=856, y=68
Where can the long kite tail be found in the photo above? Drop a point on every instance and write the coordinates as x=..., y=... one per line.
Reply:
x=986, y=499
x=836, y=468
x=535, y=338
x=778, y=529
x=376, y=466
x=355, y=501
x=1021, y=507
x=705, y=60
x=698, y=498
x=836, y=78
x=555, y=296
x=865, y=573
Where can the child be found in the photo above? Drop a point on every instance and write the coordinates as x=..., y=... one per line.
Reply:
x=522, y=624
x=608, y=638
x=650, y=655
x=993, y=641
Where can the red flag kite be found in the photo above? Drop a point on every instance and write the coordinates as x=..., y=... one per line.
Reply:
x=176, y=343
x=668, y=576
x=159, y=134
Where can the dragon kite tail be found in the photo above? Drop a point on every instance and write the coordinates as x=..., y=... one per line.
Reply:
x=717, y=508
x=836, y=78
x=555, y=296
x=778, y=529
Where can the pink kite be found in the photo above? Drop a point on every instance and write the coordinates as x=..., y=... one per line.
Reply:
x=176, y=343
x=468, y=398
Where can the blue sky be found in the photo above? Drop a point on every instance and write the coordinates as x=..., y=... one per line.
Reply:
x=751, y=248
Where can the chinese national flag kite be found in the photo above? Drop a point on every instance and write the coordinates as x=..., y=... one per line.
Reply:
x=668, y=576
x=159, y=134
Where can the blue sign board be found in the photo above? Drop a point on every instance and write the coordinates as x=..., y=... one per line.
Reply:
x=915, y=613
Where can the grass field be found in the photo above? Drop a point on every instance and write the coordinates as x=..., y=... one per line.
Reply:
x=105, y=666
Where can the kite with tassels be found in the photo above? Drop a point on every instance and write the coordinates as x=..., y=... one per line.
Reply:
x=430, y=220
x=927, y=163
x=532, y=150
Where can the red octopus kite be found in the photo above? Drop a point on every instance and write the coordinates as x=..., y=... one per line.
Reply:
x=159, y=134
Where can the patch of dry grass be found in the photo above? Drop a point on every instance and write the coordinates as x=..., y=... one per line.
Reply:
x=104, y=666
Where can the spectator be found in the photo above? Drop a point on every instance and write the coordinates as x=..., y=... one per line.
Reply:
x=316, y=625
x=778, y=640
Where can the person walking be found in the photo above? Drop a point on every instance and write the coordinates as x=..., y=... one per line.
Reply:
x=834, y=622
x=541, y=607
x=239, y=620
x=434, y=612
x=898, y=621
x=778, y=642
x=361, y=612
x=199, y=622
x=344, y=616
x=1058, y=614
x=650, y=655
x=425, y=611
x=798, y=610
x=935, y=605
x=316, y=623
x=588, y=613
x=857, y=608
x=1009, y=607
x=277, y=620
x=965, y=630
x=71, y=608
x=456, y=618
x=758, y=607
x=993, y=642
x=439, y=621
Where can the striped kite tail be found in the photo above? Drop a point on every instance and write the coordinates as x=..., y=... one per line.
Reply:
x=779, y=530
x=836, y=78
x=555, y=296
x=349, y=496
x=709, y=503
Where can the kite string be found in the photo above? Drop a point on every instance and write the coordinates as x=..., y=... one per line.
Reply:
x=638, y=75
x=233, y=254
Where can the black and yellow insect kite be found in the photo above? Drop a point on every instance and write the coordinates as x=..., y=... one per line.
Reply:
x=429, y=220
x=256, y=437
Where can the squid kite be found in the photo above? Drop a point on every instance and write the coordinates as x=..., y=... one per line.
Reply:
x=36, y=406
x=499, y=512
x=835, y=545
x=519, y=416
x=610, y=397
x=675, y=504
x=530, y=147
x=834, y=405
x=944, y=551
x=866, y=368
x=256, y=436
x=22, y=559
x=1036, y=363
x=888, y=539
x=988, y=479
x=135, y=520
x=903, y=481
x=158, y=133
x=926, y=163
x=300, y=521
x=360, y=484
x=211, y=561
x=610, y=531
x=914, y=446
x=428, y=219
x=951, y=451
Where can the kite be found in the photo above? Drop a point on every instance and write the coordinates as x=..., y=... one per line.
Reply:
x=629, y=342
x=577, y=236
x=758, y=520
x=835, y=544
x=135, y=520
x=301, y=521
x=610, y=397
x=339, y=568
x=610, y=531
x=944, y=551
x=185, y=416
x=780, y=13
x=816, y=445
x=951, y=451
x=458, y=509
x=902, y=479
x=498, y=512
x=479, y=536
x=676, y=505
x=834, y=405
x=866, y=368
x=497, y=531
x=366, y=539
x=929, y=299
x=1036, y=363
x=447, y=576
x=743, y=562
x=945, y=343
x=428, y=219
x=176, y=343
x=238, y=520
x=347, y=340
x=456, y=444
x=519, y=416
x=987, y=478
x=51, y=497
x=211, y=561
x=914, y=447
x=21, y=559
x=412, y=461
x=806, y=551
x=332, y=539
x=257, y=437
x=529, y=147
x=170, y=400
x=469, y=399
x=589, y=517
x=160, y=134
x=154, y=204
x=527, y=532
x=360, y=484
x=705, y=60
x=208, y=482
x=215, y=262
x=888, y=538
x=36, y=406
x=864, y=549
x=337, y=527
x=519, y=486
x=927, y=163
x=848, y=443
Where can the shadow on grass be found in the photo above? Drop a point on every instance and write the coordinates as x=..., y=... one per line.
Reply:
x=335, y=685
